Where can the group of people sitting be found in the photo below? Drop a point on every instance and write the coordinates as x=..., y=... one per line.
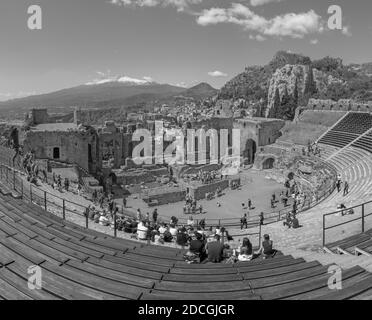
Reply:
x=291, y=220
x=100, y=199
x=213, y=249
x=104, y=217
x=344, y=211
x=161, y=232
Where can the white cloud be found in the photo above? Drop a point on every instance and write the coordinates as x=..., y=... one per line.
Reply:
x=180, y=5
x=294, y=25
x=257, y=37
x=314, y=41
x=346, y=31
x=255, y=3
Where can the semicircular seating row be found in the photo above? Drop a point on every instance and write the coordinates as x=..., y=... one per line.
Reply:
x=355, y=167
x=78, y=263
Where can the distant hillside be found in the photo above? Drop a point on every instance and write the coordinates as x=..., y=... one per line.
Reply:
x=201, y=91
x=108, y=94
x=97, y=95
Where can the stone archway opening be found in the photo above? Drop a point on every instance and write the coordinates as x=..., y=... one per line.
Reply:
x=268, y=164
x=249, y=153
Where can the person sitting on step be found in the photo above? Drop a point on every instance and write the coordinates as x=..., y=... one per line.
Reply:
x=267, y=247
x=103, y=220
x=214, y=249
x=142, y=231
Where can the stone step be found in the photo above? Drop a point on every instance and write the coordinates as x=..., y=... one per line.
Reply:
x=344, y=261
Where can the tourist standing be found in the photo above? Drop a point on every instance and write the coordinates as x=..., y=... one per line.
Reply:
x=139, y=215
x=155, y=215
x=338, y=185
x=67, y=184
x=262, y=218
x=346, y=188
x=244, y=222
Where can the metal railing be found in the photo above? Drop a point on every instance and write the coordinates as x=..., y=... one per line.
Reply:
x=61, y=206
x=69, y=210
x=354, y=220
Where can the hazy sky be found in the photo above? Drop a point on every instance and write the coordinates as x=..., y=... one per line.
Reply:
x=170, y=41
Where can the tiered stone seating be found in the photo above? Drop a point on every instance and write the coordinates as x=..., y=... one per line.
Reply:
x=348, y=129
x=355, y=166
x=364, y=142
x=356, y=244
x=83, y=264
x=355, y=122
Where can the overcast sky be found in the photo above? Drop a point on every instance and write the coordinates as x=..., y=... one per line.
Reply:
x=170, y=41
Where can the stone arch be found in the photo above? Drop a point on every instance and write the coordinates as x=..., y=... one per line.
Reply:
x=268, y=163
x=113, y=177
x=249, y=153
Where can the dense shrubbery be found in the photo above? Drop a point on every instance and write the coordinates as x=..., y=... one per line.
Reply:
x=327, y=64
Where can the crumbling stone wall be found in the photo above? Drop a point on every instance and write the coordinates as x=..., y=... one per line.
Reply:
x=340, y=105
x=73, y=147
x=199, y=192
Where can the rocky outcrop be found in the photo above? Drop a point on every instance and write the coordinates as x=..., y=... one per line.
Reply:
x=289, y=81
x=295, y=85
